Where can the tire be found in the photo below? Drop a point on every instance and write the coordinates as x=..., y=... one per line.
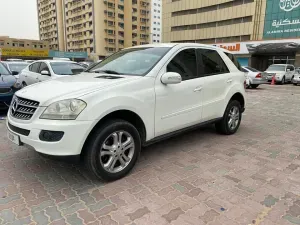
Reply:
x=283, y=80
x=295, y=84
x=105, y=140
x=223, y=126
x=254, y=86
x=292, y=79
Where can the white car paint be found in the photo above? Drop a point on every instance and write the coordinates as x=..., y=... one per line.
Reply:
x=31, y=75
x=255, y=77
x=282, y=72
x=162, y=108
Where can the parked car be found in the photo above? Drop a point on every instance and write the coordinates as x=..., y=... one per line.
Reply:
x=298, y=70
x=131, y=99
x=296, y=79
x=282, y=72
x=15, y=67
x=254, y=77
x=48, y=69
x=8, y=86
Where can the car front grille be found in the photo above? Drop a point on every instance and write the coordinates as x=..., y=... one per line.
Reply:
x=22, y=108
x=5, y=90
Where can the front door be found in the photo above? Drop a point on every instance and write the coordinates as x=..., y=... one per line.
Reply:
x=31, y=76
x=179, y=105
x=41, y=77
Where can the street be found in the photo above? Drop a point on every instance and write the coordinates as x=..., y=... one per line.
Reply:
x=252, y=177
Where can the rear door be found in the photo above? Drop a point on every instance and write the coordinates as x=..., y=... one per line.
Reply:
x=217, y=80
x=31, y=76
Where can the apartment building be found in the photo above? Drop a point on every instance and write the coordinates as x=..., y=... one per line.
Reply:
x=156, y=18
x=259, y=32
x=51, y=23
x=98, y=27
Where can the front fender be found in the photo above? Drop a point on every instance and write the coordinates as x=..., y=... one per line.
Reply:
x=99, y=109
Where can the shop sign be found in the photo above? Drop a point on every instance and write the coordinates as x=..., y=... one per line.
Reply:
x=24, y=52
x=251, y=47
x=282, y=19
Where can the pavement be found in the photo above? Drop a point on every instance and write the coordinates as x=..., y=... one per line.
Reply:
x=252, y=177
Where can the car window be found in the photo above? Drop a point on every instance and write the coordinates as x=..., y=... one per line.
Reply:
x=211, y=63
x=34, y=67
x=3, y=70
x=133, y=61
x=291, y=68
x=234, y=60
x=66, y=68
x=17, y=66
x=185, y=64
x=43, y=66
x=244, y=70
x=275, y=67
x=251, y=69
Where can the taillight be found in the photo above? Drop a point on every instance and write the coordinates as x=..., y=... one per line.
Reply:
x=258, y=75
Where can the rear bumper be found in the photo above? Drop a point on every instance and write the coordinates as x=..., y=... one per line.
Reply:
x=259, y=81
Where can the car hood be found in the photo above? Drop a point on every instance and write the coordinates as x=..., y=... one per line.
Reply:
x=71, y=87
x=7, y=80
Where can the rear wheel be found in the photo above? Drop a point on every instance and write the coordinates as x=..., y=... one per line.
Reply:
x=113, y=150
x=254, y=85
x=231, y=119
x=295, y=84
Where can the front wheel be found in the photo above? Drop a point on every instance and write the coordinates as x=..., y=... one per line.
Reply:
x=113, y=150
x=283, y=80
x=295, y=84
x=231, y=119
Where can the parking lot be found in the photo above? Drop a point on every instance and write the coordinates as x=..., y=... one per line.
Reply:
x=200, y=177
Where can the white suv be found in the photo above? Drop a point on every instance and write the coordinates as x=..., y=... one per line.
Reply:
x=131, y=99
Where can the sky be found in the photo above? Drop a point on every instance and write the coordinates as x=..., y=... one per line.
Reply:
x=18, y=19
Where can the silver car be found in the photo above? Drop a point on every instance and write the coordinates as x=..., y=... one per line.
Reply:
x=254, y=77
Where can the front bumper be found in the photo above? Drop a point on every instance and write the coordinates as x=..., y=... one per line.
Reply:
x=296, y=81
x=75, y=134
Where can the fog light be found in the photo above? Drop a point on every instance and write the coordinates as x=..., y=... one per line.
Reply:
x=51, y=136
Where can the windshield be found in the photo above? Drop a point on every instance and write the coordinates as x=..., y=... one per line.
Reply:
x=276, y=68
x=17, y=66
x=251, y=69
x=66, y=68
x=3, y=70
x=134, y=61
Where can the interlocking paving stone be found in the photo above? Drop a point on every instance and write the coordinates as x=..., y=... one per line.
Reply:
x=196, y=178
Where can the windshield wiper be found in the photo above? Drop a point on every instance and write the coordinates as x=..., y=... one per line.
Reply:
x=106, y=71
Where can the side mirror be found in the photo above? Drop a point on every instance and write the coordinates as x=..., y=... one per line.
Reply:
x=171, y=78
x=288, y=70
x=14, y=73
x=45, y=73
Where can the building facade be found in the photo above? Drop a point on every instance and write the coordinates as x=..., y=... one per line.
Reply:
x=23, y=48
x=99, y=28
x=260, y=32
x=156, y=18
x=51, y=26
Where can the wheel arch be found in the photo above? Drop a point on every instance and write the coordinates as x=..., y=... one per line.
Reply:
x=123, y=114
x=240, y=98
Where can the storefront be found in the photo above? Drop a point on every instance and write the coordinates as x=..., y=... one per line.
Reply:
x=261, y=54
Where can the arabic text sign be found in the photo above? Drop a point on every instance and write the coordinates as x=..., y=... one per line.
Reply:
x=24, y=52
x=282, y=19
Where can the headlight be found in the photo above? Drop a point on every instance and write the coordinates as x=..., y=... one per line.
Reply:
x=17, y=85
x=64, y=110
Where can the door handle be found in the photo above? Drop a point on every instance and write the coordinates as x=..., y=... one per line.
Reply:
x=197, y=89
x=229, y=80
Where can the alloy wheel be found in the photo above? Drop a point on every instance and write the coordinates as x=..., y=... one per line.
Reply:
x=233, y=117
x=117, y=151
